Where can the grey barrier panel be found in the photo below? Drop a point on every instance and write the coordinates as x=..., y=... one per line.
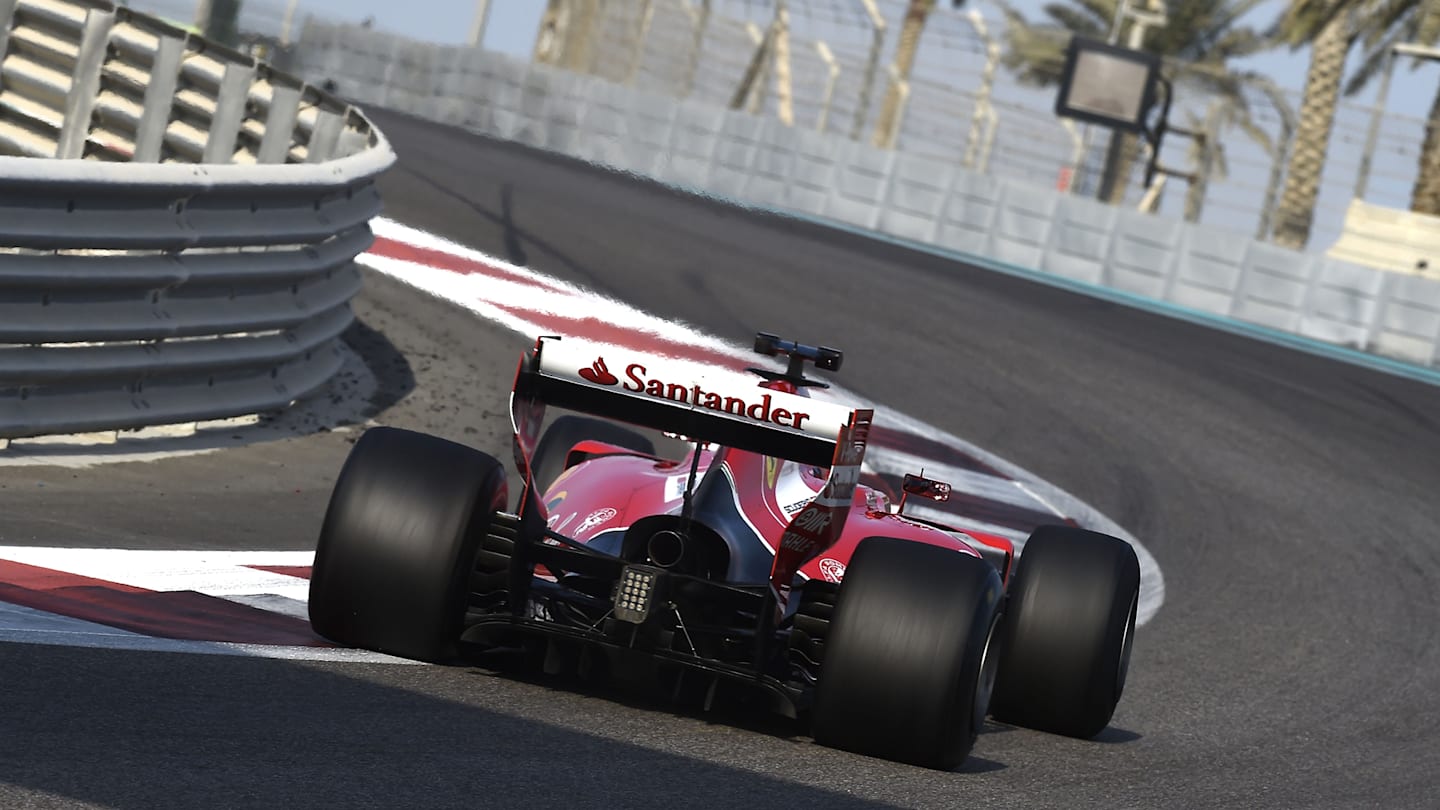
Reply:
x=812, y=175
x=491, y=86
x=160, y=95
x=650, y=124
x=916, y=197
x=1079, y=247
x=85, y=84
x=39, y=272
x=35, y=365
x=735, y=149
x=1207, y=276
x=1342, y=303
x=56, y=217
x=1407, y=322
x=506, y=92
x=108, y=405
x=137, y=293
x=773, y=167
x=607, y=128
x=1274, y=287
x=536, y=85
x=1021, y=228
x=562, y=112
x=861, y=177
x=692, y=144
x=70, y=315
x=620, y=131
x=1143, y=253
x=969, y=214
x=460, y=72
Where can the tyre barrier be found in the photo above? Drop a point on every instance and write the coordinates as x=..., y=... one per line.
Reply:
x=178, y=224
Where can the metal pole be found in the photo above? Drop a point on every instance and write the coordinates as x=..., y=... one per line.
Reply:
x=872, y=66
x=647, y=12
x=987, y=143
x=832, y=77
x=746, y=88
x=1122, y=10
x=900, y=87
x=1114, y=155
x=202, y=15
x=701, y=22
x=1373, y=134
x=551, y=37
x=288, y=21
x=784, y=95
x=1209, y=138
x=1077, y=155
x=477, y=27
x=761, y=89
x=987, y=83
x=1280, y=158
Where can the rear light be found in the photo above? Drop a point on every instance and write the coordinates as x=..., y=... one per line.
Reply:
x=635, y=593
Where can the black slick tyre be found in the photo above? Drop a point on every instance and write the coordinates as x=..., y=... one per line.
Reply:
x=393, y=561
x=567, y=431
x=1066, y=637
x=906, y=674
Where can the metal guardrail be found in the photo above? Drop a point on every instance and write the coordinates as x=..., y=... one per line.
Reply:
x=178, y=224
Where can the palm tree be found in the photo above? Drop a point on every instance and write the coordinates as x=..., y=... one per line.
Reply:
x=1198, y=38
x=1396, y=24
x=1330, y=28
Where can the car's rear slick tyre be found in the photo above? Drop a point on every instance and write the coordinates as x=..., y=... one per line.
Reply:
x=568, y=431
x=906, y=674
x=393, y=561
x=1066, y=637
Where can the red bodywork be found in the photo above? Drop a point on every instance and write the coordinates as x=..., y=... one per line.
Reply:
x=784, y=502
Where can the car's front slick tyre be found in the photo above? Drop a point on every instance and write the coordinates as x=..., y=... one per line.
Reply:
x=399, y=539
x=1066, y=637
x=906, y=674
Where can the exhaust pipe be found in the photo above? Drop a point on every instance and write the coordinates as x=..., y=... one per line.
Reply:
x=668, y=549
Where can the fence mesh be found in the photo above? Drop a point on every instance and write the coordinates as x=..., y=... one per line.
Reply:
x=684, y=49
x=961, y=106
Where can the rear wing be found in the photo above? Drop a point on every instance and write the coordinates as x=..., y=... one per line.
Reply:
x=658, y=393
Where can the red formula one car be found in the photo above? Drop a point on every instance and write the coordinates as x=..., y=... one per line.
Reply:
x=757, y=560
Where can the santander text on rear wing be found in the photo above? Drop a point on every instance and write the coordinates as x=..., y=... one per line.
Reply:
x=659, y=393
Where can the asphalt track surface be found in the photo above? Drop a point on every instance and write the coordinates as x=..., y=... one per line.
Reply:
x=1290, y=500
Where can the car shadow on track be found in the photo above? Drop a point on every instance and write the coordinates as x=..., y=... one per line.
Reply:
x=739, y=709
x=129, y=729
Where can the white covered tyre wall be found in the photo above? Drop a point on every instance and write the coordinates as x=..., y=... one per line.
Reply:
x=906, y=675
x=393, y=562
x=1067, y=633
